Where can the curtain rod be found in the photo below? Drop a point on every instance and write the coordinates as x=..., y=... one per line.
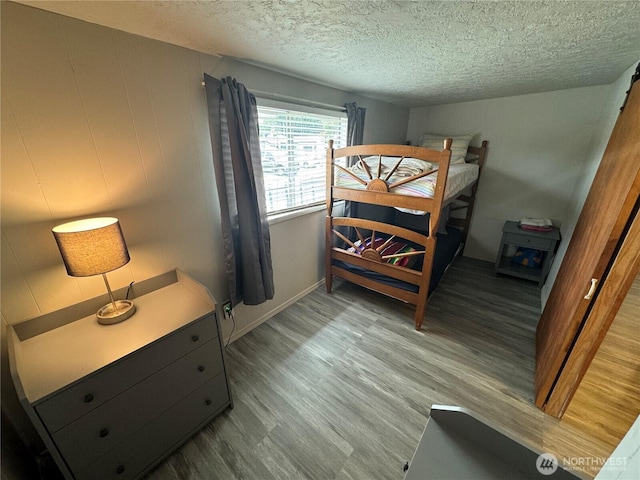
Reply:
x=299, y=101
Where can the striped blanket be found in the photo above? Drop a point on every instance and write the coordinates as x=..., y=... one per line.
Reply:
x=460, y=177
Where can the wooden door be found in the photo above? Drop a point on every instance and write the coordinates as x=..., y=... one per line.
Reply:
x=599, y=234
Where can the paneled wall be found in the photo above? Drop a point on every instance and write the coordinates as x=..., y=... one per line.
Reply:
x=100, y=122
x=96, y=122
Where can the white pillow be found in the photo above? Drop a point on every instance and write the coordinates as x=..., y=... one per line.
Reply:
x=459, y=145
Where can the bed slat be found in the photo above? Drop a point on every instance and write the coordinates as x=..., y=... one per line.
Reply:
x=393, y=271
x=394, y=292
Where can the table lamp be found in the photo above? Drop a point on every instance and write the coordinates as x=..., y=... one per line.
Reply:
x=91, y=247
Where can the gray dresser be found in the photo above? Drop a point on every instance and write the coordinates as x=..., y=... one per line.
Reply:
x=111, y=401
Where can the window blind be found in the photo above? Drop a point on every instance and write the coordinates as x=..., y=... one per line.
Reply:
x=293, y=144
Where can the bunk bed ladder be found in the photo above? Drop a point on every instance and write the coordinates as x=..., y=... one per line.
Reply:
x=467, y=202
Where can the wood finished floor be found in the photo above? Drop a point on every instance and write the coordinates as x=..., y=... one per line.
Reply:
x=610, y=389
x=339, y=386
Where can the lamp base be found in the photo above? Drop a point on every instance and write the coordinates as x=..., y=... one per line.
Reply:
x=107, y=315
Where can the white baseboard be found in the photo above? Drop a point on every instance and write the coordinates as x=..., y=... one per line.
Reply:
x=273, y=312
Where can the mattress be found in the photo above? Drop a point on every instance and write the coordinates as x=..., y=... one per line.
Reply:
x=460, y=177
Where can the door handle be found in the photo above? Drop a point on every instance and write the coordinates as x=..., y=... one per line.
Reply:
x=592, y=288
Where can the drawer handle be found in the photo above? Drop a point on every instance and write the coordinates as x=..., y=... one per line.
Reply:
x=208, y=401
x=195, y=338
x=104, y=432
x=201, y=368
x=592, y=288
x=120, y=469
x=88, y=398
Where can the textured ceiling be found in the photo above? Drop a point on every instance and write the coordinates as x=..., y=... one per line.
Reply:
x=411, y=53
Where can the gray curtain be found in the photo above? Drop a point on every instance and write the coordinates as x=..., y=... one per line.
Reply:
x=355, y=131
x=355, y=126
x=233, y=123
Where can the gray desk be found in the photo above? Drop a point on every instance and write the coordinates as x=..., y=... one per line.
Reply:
x=458, y=445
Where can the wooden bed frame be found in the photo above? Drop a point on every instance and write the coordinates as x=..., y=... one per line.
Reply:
x=378, y=190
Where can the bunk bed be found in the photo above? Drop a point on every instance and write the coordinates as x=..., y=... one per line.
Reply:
x=404, y=260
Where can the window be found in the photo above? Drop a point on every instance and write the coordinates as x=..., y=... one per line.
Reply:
x=294, y=145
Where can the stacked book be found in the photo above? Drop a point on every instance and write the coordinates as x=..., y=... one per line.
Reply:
x=536, y=224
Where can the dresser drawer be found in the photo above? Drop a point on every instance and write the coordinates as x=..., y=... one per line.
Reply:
x=97, y=432
x=92, y=391
x=528, y=241
x=128, y=460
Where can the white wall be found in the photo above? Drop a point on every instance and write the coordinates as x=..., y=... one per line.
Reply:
x=99, y=122
x=616, y=93
x=538, y=145
x=544, y=150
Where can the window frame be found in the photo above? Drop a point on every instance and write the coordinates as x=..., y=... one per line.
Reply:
x=282, y=214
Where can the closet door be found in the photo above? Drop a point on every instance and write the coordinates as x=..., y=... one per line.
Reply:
x=580, y=289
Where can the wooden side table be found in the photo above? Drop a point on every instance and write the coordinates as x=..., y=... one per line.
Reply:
x=514, y=236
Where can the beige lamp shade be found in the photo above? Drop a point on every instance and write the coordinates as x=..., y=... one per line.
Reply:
x=92, y=246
